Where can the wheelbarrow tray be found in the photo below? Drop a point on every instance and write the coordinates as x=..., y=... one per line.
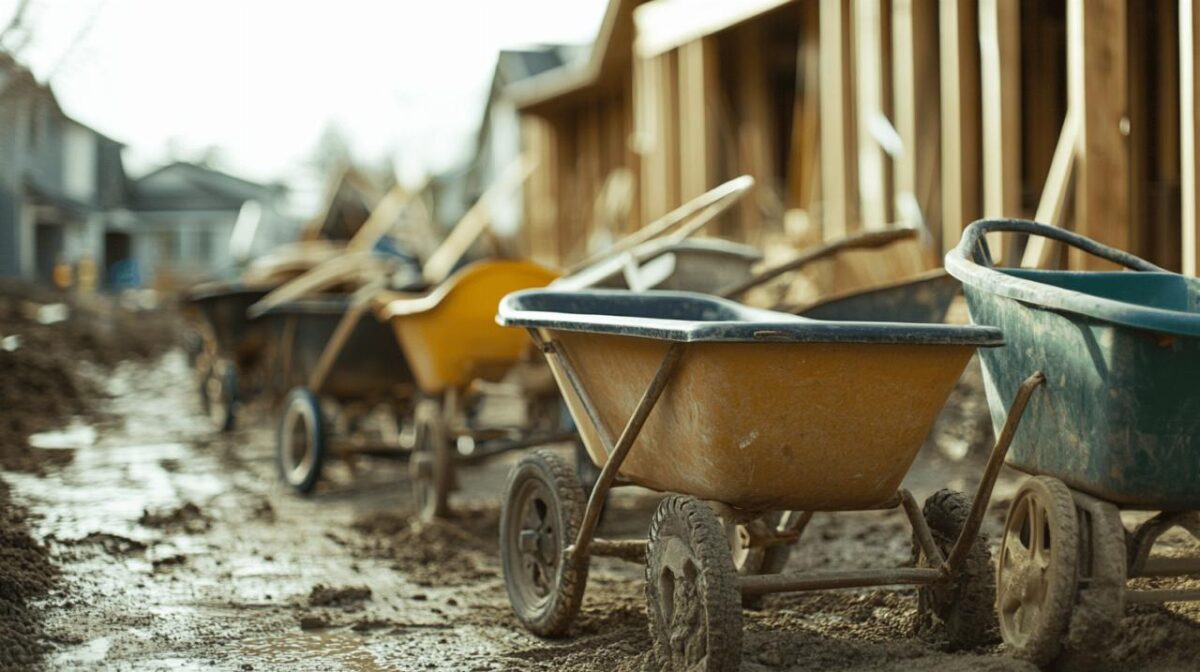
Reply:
x=706, y=265
x=223, y=306
x=765, y=410
x=921, y=298
x=369, y=365
x=450, y=336
x=1120, y=415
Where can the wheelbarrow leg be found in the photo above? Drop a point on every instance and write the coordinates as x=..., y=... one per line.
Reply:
x=579, y=550
x=970, y=530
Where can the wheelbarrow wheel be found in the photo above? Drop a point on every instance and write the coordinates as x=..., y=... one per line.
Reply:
x=300, y=446
x=960, y=614
x=1036, y=580
x=218, y=393
x=540, y=518
x=1096, y=616
x=432, y=466
x=751, y=560
x=692, y=596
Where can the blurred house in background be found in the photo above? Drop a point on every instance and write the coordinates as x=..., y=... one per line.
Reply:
x=61, y=183
x=187, y=221
x=66, y=202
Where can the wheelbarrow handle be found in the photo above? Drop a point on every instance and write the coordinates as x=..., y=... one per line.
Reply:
x=700, y=210
x=869, y=240
x=974, y=243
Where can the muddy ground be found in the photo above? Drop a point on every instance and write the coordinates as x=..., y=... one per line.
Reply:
x=142, y=540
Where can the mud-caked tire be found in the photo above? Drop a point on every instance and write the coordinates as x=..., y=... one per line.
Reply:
x=961, y=614
x=431, y=469
x=1036, y=579
x=1100, y=602
x=541, y=515
x=692, y=598
x=219, y=395
x=301, y=442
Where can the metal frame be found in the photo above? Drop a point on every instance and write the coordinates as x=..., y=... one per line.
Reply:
x=945, y=566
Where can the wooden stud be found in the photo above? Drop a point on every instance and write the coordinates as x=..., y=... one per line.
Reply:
x=1189, y=113
x=915, y=100
x=961, y=197
x=1098, y=88
x=697, y=86
x=805, y=146
x=838, y=174
x=869, y=80
x=1000, y=85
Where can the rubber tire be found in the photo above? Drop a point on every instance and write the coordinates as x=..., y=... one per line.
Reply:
x=1044, y=645
x=225, y=375
x=764, y=560
x=301, y=399
x=962, y=615
x=687, y=520
x=431, y=470
x=553, y=618
x=1100, y=605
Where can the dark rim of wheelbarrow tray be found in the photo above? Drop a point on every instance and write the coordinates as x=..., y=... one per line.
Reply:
x=961, y=263
x=689, y=317
x=216, y=290
x=325, y=305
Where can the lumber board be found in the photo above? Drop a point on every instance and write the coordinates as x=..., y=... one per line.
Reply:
x=961, y=192
x=1039, y=252
x=1189, y=48
x=1000, y=86
x=838, y=182
x=473, y=223
x=1098, y=86
x=868, y=62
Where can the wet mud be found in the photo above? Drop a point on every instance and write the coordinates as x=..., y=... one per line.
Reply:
x=161, y=545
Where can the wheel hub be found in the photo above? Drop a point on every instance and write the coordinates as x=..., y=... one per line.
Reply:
x=1024, y=565
x=537, y=541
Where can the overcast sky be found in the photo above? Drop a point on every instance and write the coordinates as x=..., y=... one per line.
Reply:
x=262, y=78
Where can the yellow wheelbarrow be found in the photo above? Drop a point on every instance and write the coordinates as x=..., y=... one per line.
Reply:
x=453, y=346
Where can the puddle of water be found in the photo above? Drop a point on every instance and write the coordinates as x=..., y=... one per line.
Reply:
x=90, y=652
x=346, y=648
x=76, y=435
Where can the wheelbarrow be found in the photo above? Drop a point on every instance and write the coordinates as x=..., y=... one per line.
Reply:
x=695, y=395
x=919, y=297
x=332, y=366
x=455, y=348
x=231, y=345
x=1117, y=428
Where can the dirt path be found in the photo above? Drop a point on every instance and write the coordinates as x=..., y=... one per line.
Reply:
x=177, y=550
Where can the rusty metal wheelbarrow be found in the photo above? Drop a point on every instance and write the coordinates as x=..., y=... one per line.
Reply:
x=232, y=346
x=1118, y=427
x=690, y=394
